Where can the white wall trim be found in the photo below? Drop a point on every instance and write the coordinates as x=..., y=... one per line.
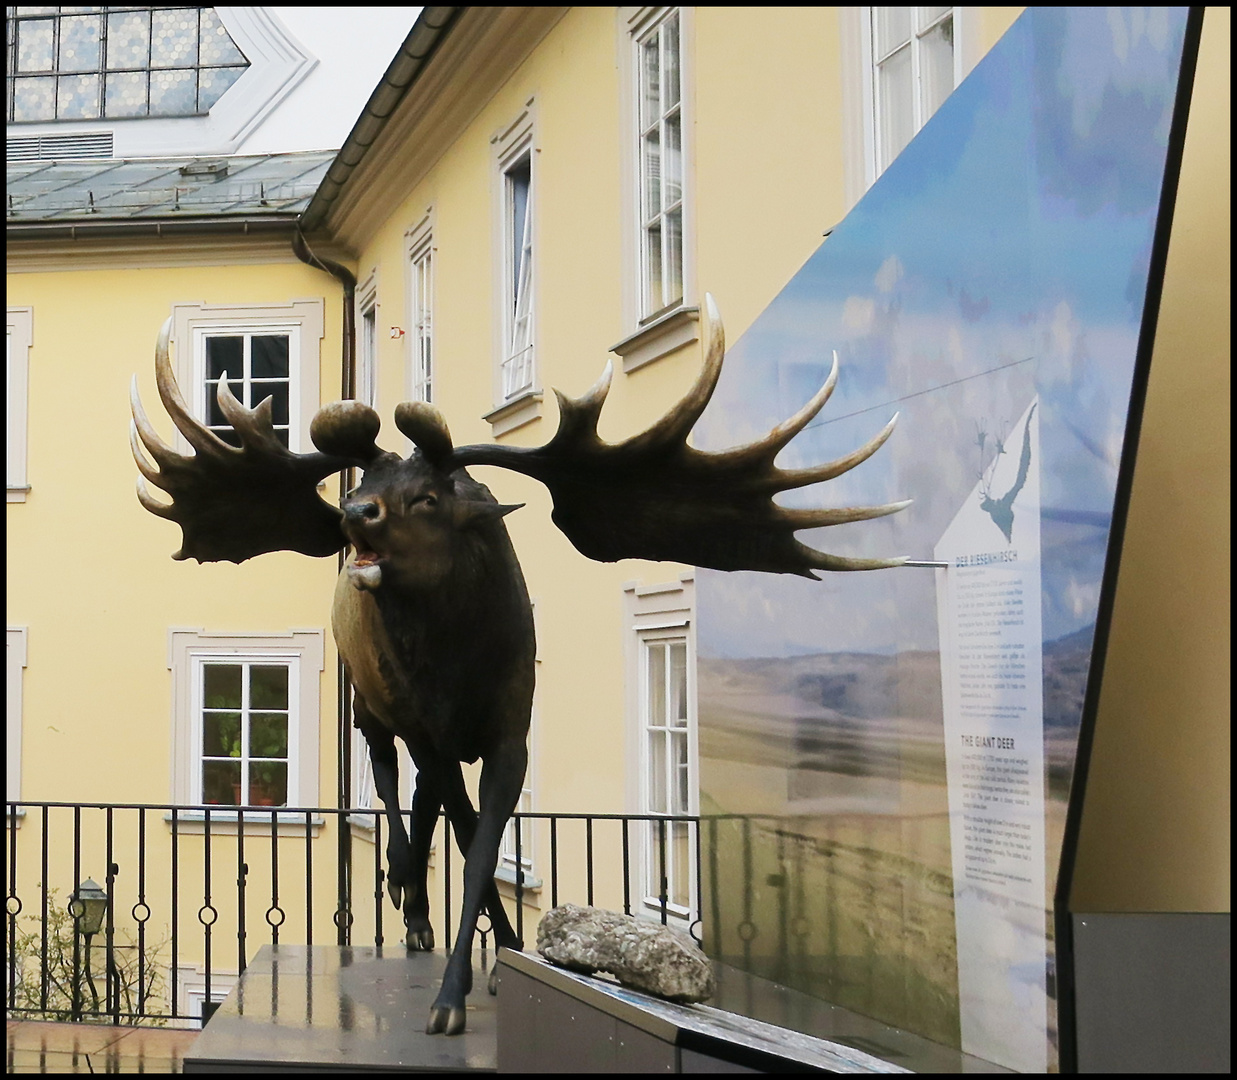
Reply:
x=19, y=340
x=651, y=612
x=14, y=665
x=306, y=316
x=188, y=647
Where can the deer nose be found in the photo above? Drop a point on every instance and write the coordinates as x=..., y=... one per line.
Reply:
x=366, y=511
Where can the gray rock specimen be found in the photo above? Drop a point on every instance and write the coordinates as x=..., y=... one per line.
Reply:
x=644, y=956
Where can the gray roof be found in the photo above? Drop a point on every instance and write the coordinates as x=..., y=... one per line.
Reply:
x=275, y=186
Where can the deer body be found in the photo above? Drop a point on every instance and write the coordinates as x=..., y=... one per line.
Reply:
x=435, y=628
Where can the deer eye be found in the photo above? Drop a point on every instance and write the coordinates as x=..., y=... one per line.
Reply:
x=428, y=501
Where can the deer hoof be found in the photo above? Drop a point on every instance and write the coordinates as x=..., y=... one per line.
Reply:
x=395, y=892
x=445, y=1019
x=493, y=985
x=420, y=939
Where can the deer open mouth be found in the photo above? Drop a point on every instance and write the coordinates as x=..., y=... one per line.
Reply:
x=365, y=555
x=365, y=570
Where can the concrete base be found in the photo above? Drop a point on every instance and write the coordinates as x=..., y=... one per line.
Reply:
x=331, y=1009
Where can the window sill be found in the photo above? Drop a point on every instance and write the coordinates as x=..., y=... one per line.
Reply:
x=515, y=413
x=659, y=338
x=505, y=876
x=16, y=494
x=257, y=822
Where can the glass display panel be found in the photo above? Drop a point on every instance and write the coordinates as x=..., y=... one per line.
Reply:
x=889, y=753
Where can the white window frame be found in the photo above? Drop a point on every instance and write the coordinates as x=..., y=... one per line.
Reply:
x=364, y=794
x=191, y=990
x=652, y=334
x=366, y=306
x=302, y=319
x=659, y=614
x=517, y=401
x=303, y=651
x=419, y=256
x=203, y=391
x=19, y=340
x=14, y=667
x=506, y=870
x=650, y=216
x=860, y=94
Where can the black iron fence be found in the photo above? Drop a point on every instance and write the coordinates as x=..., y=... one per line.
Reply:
x=191, y=892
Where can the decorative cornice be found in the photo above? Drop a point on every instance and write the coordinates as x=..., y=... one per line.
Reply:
x=485, y=46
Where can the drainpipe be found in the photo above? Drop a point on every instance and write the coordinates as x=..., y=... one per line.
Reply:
x=343, y=920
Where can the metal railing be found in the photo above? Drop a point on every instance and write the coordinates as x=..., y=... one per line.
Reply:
x=187, y=885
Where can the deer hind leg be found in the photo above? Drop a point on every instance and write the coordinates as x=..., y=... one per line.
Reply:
x=502, y=776
x=405, y=875
x=426, y=802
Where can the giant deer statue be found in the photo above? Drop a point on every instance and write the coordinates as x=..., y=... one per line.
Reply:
x=431, y=614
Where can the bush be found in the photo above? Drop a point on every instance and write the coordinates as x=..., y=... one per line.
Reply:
x=131, y=994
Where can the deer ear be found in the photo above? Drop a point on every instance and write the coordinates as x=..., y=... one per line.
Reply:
x=427, y=429
x=346, y=429
x=470, y=512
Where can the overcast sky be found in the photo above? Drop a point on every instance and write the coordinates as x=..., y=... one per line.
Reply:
x=353, y=47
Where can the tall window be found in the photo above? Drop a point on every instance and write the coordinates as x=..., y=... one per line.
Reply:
x=258, y=366
x=422, y=343
x=517, y=367
x=245, y=731
x=245, y=716
x=668, y=779
x=367, y=369
x=507, y=850
x=19, y=337
x=913, y=69
x=86, y=63
x=661, y=166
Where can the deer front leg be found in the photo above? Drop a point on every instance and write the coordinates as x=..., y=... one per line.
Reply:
x=464, y=821
x=502, y=775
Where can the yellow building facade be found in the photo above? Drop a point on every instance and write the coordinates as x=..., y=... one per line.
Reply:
x=496, y=211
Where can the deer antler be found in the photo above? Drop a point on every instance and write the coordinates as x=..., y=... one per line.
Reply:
x=233, y=502
x=654, y=497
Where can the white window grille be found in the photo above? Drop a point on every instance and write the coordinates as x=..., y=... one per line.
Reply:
x=517, y=365
x=423, y=323
x=245, y=711
x=246, y=731
x=669, y=779
x=258, y=365
x=914, y=68
x=660, y=112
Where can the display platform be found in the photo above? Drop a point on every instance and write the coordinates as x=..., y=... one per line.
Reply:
x=343, y=1009
x=552, y=1020
x=363, y=1009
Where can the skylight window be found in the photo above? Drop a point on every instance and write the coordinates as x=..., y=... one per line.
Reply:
x=89, y=63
